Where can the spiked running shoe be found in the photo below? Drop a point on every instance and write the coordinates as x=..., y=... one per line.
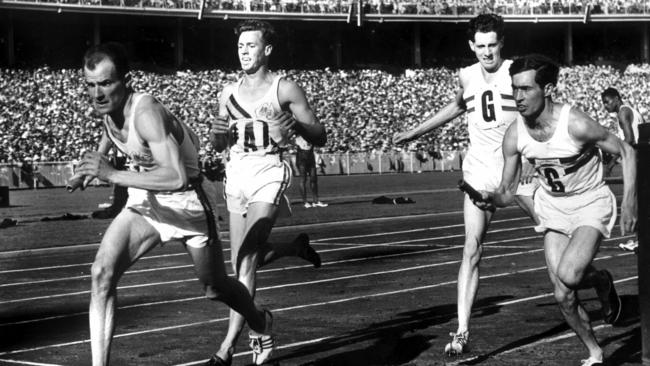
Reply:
x=458, y=345
x=262, y=344
x=630, y=246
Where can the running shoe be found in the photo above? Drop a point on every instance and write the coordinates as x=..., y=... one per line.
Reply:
x=591, y=362
x=262, y=344
x=306, y=251
x=610, y=302
x=319, y=204
x=458, y=345
x=630, y=245
x=217, y=361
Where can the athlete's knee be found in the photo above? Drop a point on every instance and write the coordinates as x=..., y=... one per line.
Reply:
x=472, y=252
x=103, y=277
x=564, y=297
x=570, y=277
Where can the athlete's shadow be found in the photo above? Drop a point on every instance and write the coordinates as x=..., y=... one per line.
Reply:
x=392, y=342
x=629, y=316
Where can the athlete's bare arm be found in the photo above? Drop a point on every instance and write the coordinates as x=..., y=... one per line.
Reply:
x=505, y=194
x=219, y=127
x=105, y=143
x=585, y=129
x=153, y=124
x=444, y=115
x=625, y=118
x=293, y=97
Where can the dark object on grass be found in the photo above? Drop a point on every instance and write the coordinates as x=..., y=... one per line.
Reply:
x=8, y=223
x=67, y=217
x=383, y=200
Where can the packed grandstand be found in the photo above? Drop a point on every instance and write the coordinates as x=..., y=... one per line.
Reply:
x=424, y=7
x=43, y=117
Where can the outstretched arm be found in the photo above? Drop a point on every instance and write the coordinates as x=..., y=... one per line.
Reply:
x=587, y=130
x=444, y=115
x=306, y=123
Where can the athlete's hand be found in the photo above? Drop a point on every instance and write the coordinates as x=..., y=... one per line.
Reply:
x=219, y=133
x=628, y=216
x=219, y=126
x=95, y=165
x=528, y=173
x=285, y=127
x=400, y=137
x=485, y=203
x=78, y=181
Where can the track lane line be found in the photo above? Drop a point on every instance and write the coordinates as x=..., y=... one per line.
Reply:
x=323, y=303
x=350, y=247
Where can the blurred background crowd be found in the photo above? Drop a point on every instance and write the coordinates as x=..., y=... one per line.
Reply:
x=431, y=7
x=45, y=114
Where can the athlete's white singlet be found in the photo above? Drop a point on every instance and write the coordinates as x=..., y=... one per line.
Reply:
x=566, y=167
x=490, y=106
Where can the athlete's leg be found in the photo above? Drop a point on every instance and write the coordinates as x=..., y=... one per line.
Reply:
x=313, y=183
x=568, y=260
x=246, y=234
x=211, y=271
x=127, y=238
x=303, y=180
x=476, y=224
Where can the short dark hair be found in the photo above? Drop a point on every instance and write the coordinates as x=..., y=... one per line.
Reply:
x=610, y=92
x=547, y=70
x=268, y=32
x=113, y=51
x=485, y=23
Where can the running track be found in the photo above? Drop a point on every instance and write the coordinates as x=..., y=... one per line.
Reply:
x=385, y=295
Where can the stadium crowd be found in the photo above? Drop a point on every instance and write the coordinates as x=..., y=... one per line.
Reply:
x=423, y=7
x=42, y=117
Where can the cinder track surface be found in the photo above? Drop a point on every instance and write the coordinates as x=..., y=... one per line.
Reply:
x=385, y=294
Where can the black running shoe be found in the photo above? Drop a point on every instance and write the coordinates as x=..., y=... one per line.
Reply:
x=217, y=361
x=306, y=251
x=611, y=302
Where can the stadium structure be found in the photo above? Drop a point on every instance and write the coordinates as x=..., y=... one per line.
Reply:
x=339, y=34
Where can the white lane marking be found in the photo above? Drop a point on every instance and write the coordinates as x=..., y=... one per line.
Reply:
x=566, y=335
x=384, y=256
x=338, y=301
x=320, y=251
x=20, y=362
x=503, y=303
x=194, y=279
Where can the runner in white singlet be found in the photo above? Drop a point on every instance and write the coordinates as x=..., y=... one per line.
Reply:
x=257, y=116
x=485, y=94
x=575, y=207
x=167, y=197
